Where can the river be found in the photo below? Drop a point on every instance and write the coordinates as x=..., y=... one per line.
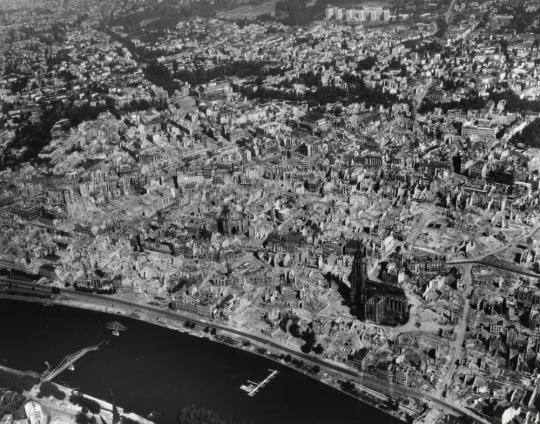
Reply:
x=150, y=368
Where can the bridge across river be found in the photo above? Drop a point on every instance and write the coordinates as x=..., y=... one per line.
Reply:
x=68, y=362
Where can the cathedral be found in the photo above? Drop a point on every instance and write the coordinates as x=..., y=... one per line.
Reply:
x=232, y=222
x=382, y=303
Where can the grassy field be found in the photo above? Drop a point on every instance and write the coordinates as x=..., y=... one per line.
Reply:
x=249, y=11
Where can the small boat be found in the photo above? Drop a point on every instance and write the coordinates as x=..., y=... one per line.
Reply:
x=115, y=327
x=153, y=415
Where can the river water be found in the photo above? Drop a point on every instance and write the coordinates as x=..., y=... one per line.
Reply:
x=150, y=368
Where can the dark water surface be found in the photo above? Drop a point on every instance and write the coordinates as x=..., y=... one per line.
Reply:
x=150, y=368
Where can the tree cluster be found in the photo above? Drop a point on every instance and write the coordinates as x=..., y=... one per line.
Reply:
x=49, y=389
x=473, y=102
x=300, y=12
x=308, y=335
x=194, y=415
x=86, y=403
x=514, y=103
x=356, y=91
x=349, y=387
x=16, y=382
x=20, y=84
x=159, y=74
x=241, y=69
x=310, y=341
x=34, y=136
x=530, y=136
x=82, y=418
x=289, y=359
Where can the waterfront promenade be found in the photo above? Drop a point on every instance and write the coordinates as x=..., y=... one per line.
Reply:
x=175, y=321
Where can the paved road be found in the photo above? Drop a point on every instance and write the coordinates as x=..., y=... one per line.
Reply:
x=459, y=333
x=450, y=11
x=479, y=259
x=38, y=224
x=363, y=379
x=497, y=266
x=507, y=246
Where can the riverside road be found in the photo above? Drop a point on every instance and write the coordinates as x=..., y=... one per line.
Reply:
x=155, y=314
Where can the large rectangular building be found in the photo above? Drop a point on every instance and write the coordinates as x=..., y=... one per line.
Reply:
x=480, y=129
x=358, y=14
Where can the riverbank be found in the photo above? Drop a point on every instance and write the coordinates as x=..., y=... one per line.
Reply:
x=56, y=410
x=298, y=362
x=222, y=336
x=153, y=370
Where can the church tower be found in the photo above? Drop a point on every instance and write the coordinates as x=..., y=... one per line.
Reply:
x=358, y=277
x=224, y=221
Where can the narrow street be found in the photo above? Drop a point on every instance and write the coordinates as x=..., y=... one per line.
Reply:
x=460, y=331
